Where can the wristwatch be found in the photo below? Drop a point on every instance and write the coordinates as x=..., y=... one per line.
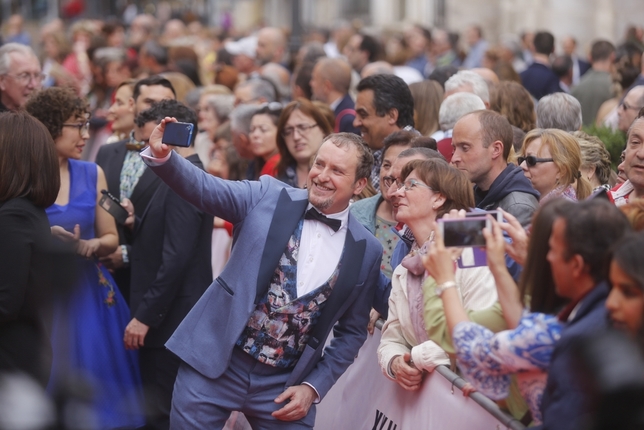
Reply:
x=442, y=287
x=125, y=256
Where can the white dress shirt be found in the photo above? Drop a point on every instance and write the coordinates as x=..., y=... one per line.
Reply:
x=320, y=251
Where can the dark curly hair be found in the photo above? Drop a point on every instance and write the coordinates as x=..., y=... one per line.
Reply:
x=55, y=106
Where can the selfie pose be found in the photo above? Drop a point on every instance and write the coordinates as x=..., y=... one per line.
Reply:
x=88, y=328
x=429, y=189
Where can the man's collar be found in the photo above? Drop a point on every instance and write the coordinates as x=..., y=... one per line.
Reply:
x=343, y=216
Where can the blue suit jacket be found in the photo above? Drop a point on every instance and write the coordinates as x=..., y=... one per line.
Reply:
x=346, y=122
x=565, y=402
x=540, y=80
x=265, y=214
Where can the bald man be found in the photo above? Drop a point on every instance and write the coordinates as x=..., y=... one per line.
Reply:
x=271, y=46
x=330, y=83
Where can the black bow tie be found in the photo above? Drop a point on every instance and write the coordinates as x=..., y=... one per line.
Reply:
x=314, y=214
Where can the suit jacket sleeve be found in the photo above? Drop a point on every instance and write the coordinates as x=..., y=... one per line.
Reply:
x=182, y=224
x=230, y=200
x=349, y=334
x=16, y=249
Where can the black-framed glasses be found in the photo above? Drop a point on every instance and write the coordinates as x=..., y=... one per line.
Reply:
x=26, y=77
x=300, y=128
x=532, y=161
x=83, y=127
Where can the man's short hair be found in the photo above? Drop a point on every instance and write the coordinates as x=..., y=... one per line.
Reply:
x=155, y=50
x=467, y=77
x=495, y=126
x=592, y=228
x=151, y=81
x=371, y=45
x=261, y=88
x=337, y=71
x=455, y=106
x=9, y=48
x=390, y=92
x=601, y=50
x=241, y=116
x=426, y=153
x=164, y=108
x=365, y=156
x=559, y=110
x=562, y=65
x=544, y=43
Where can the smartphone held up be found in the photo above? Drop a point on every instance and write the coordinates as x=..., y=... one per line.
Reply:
x=179, y=134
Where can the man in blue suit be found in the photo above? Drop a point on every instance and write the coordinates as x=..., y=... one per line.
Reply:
x=580, y=244
x=300, y=263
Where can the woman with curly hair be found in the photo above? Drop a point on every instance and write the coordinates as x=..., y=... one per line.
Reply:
x=87, y=337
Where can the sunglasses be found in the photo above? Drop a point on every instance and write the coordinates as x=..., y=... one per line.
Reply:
x=532, y=161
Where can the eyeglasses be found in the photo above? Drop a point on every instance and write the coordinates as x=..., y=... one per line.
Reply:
x=25, y=78
x=83, y=127
x=625, y=106
x=301, y=128
x=272, y=107
x=410, y=184
x=532, y=161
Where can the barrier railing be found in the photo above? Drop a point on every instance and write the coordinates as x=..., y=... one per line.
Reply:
x=363, y=399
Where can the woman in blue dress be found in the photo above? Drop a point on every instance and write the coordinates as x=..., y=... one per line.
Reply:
x=87, y=337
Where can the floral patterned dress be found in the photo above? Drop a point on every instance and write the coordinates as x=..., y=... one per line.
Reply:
x=487, y=360
x=87, y=336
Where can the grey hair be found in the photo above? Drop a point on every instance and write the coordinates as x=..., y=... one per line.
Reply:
x=559, y=110
x=261, y=88
x=466, y=77
x=455, y=106
x=222, y=104
x=241, y=116
x=9, y=48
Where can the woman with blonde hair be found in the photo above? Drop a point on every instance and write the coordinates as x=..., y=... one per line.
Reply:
x=551, y=160
x=596, y=163
x=428, y=96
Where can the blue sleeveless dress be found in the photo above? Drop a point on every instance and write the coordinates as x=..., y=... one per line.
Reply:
x=87, y=336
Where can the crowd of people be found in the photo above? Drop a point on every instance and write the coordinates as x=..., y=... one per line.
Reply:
x=150, y=286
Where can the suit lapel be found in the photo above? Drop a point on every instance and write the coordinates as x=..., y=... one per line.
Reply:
x=146, y=180
x=285, y=218
x=353, y=256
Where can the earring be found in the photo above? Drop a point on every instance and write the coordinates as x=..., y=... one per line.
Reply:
x=434, y=207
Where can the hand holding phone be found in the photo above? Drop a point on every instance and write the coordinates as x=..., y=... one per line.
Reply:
x=113, y=206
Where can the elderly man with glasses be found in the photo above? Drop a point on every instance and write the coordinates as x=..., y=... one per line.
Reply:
x=629, y=107
x=20, y=75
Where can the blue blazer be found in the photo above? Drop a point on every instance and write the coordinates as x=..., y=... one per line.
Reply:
x=346, y=122
x=565, y=402
x=265, y=214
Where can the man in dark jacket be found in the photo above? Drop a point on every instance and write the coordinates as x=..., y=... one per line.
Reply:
x=482, y=142
x=538, y=78
x=170, y=270
x=582, y=236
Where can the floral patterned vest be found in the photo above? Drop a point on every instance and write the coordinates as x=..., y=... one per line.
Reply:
x=278, y=329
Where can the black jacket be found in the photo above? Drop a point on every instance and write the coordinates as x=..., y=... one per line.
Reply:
x=171, y=262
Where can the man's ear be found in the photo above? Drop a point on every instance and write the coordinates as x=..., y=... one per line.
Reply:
x=497, y=149
x=359, y=186
x=578, y=266
x=3, y=84
x=392, y=116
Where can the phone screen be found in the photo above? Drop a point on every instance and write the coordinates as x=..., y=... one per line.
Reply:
x=178, y=134
x=463, y=232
